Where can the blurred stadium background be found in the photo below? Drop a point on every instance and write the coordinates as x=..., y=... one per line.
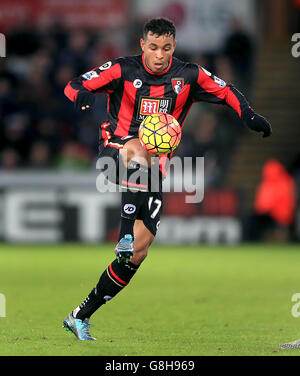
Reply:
x=48, y=151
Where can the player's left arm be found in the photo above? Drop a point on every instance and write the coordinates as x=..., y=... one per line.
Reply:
x=104, y=79
x=212, y=89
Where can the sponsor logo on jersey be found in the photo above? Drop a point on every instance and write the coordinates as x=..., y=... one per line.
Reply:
x=129, y=208
x=149, y=106
x=137, y=83
x=177, y=84
x=106, y=65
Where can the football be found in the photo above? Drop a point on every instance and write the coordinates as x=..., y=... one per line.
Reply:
x=160, y=133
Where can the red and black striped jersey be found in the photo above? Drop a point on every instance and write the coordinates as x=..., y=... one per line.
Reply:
x=134, y=91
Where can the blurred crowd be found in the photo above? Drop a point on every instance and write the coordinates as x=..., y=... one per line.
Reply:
x=40, y=128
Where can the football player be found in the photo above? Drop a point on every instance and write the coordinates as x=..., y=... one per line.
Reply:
x=137, y=86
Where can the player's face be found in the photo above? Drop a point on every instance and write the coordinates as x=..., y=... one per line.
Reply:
x=158, y=50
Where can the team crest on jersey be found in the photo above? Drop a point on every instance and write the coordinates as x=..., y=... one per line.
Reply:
x=150, y=105
x=177, y=84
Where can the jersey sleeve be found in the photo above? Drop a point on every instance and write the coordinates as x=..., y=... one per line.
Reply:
x=105, y=78
x=210, y=88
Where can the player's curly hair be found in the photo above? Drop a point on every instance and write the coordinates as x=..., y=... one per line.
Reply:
x=159, y=26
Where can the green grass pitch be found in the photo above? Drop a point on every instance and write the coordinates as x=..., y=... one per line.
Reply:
x=184, y=300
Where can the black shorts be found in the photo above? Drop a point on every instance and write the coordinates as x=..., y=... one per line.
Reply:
x=151, y=209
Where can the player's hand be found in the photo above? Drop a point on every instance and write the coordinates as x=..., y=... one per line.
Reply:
x=257, y=123
x=84, y=100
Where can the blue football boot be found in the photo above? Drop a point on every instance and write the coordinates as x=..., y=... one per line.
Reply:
x=124, y=249
x=79, y=327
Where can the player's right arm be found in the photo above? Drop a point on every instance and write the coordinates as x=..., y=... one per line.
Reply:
x=103, y=79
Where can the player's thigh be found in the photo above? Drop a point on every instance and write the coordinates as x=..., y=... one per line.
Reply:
x=134, y=150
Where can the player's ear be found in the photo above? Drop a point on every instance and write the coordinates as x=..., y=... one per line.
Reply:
x=174, y=44
x=142, y=43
